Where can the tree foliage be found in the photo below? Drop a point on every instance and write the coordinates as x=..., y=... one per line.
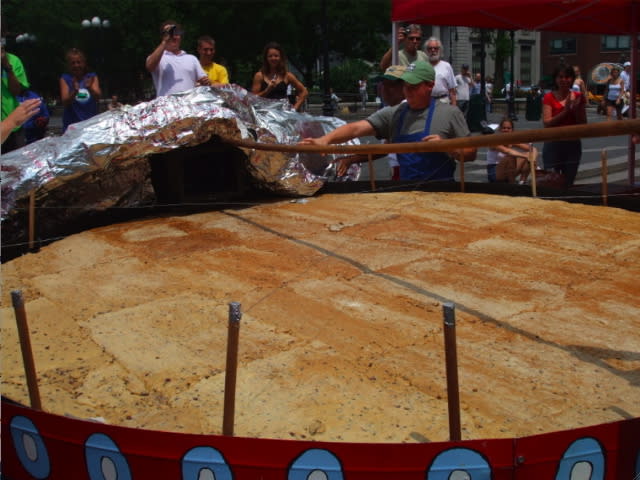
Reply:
x=500, y=50
x=357, y=29
x=344, y=77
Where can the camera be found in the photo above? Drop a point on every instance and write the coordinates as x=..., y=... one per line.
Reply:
x=170, y=30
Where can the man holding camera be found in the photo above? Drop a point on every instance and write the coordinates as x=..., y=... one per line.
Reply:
x=172, y=69
x=464, y=86
x=409, y=40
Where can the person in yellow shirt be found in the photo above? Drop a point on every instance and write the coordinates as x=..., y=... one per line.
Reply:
x=206, y=50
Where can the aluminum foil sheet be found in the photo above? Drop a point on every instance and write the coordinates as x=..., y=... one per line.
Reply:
x=119, y=139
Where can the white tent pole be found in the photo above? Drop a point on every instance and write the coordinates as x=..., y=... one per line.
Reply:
x=635, y=16
x=394, y=43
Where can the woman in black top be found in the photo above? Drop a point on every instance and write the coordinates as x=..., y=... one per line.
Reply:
x=272, y=80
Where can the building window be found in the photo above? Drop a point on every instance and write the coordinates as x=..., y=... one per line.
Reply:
x=616, y=42
x=525, y=64
x=563, y=45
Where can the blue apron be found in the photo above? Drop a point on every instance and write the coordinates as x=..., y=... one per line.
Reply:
x=426, y=165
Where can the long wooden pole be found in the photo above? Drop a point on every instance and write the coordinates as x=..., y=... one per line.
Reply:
x=25, y=346
x=231, y=369
x=570, y=132
x=451, y=360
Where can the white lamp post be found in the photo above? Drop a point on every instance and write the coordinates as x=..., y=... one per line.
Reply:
x=95, y=22
x=98, y=25
x=26, y=38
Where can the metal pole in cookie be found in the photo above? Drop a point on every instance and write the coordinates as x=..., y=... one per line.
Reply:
x=25, y=346
x=231, y=369
x=451, y=360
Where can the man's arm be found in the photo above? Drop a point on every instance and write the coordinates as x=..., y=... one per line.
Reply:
x=201, y=76
x=467, y=154
x=21, y=114
x=385, y=62
x=387, y=58
x=451, y=82
x=153, y=60
x=453, y=96
x=342, y=134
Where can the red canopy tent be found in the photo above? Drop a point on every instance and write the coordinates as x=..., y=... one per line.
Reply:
x=613, y=17
x=610, y=17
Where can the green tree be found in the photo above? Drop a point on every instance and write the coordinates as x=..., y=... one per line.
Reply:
x=344, y=77
x=500, y=53
x=241, y=28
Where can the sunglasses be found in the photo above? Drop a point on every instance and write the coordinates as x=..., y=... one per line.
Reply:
x=414, y=39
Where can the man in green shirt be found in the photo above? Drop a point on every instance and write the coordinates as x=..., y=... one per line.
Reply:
x=14, y=82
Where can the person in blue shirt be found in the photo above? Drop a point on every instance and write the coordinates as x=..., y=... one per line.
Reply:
x=79, y=90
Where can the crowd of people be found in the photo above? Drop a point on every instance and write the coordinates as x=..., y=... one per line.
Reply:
x=171, y=68
x=423, y=100
x=565, y=104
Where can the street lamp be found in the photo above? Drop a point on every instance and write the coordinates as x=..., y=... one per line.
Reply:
x=327, y=108
x=26, y=38
x=95, y=22
x=99, y=26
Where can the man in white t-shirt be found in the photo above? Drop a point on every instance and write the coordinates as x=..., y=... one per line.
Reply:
x=172, y=69
x=464, y=84
x=444, y=89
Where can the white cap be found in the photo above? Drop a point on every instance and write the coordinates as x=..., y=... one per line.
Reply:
x=627, y=64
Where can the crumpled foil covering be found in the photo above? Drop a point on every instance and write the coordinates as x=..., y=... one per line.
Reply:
x=118, y=139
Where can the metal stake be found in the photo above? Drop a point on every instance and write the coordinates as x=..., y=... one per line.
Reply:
x=231, y=369
x=453, y=393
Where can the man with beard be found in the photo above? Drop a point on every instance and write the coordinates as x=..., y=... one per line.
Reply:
x=444, y=89
x=409, y=39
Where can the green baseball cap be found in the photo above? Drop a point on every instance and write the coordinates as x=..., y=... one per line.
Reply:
x=394, y=72
x=419, y=71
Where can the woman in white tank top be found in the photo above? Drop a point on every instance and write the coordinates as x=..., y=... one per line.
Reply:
x=613, y=94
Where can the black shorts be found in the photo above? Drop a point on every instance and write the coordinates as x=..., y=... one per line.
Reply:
x=612, y=103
